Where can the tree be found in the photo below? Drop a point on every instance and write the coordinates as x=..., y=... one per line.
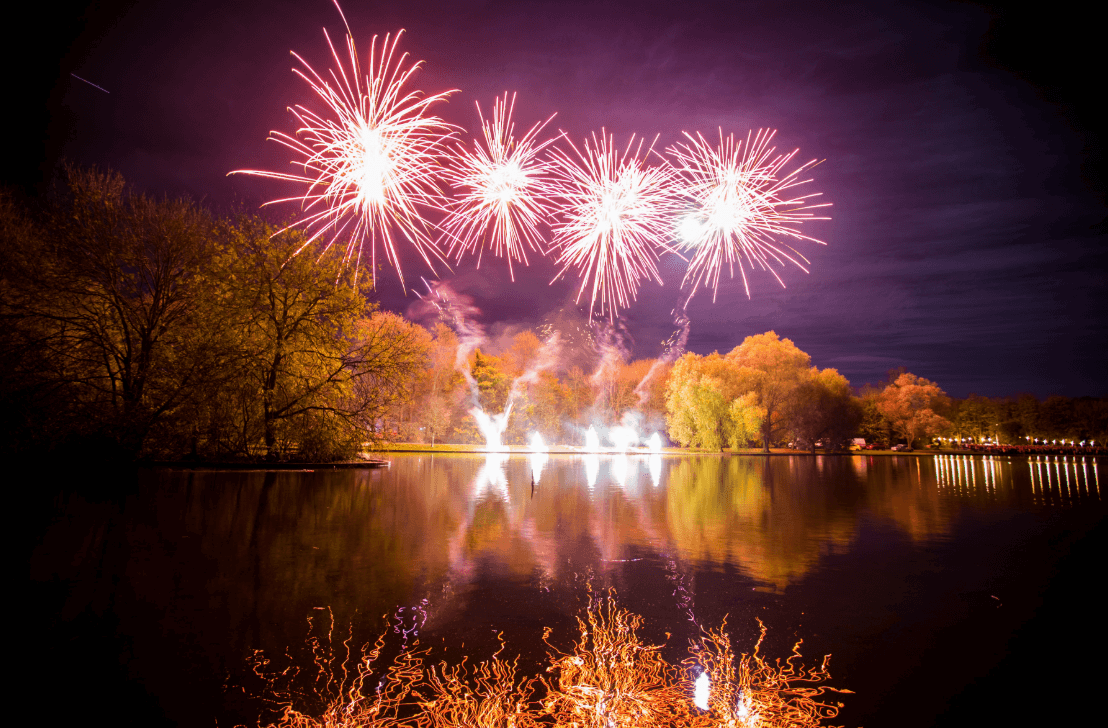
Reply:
x=493, y=382
x=441, y=394
x=578, y=396
x=772, y=368
x=702, y=399
x=874, y=427
x=318, y=365
x=909, y=403
x=698, y=413
x=745, y=419
x=387, y=359
x=115, y=297
x=976, y=417
x=823, y=409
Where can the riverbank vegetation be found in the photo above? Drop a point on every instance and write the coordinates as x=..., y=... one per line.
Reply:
x=136, y=327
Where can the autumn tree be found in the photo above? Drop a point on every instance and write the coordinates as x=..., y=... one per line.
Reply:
x=113, y=296
x=772, y=368
x=874, y=427
x=388, y=358
x=493, y=382
x=578, y=396
x=699, y=398
x=745, y=418
x=442, y=395
x=318, y=364
x=910, y=405
x=823, y=408
x=976, y=417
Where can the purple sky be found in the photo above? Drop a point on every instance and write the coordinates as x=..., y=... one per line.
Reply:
x=963, y=156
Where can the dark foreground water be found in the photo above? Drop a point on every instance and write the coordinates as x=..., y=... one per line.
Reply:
x=943, y=587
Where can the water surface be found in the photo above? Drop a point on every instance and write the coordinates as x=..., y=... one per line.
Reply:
x=940, y=585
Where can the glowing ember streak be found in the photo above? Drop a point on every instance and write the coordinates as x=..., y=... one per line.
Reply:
x=486, y=695
x=610, y=678
x=615, y=220
x=492, y=427
x=504, y=190
x=592, y=440
x=370, y=158
x=622, y=437
x=746, y=690
x=654, y=443
x=742, y=204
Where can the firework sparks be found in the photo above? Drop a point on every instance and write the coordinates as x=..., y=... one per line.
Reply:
x=742, y=203
x=610, y=677
x=615, y=220
x=504, y=190
x=370, y=161
x=487, y=695
x=747, y=690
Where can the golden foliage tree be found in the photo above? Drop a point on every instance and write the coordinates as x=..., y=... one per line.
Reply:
x=910, y=405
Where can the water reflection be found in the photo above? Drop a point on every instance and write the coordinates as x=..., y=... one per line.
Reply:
x=1052, y=484
x=592, y=469
x=233, y=561
x=375, y=535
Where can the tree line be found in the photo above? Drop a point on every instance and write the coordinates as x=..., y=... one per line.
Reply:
x=133, y=327
x=137, y=327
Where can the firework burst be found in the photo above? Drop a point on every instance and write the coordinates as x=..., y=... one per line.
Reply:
x=504, y=190
x=371, y=160
x=615, y=220
x=742, y=203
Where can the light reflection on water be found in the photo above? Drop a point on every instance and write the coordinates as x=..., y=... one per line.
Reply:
x=235, y=560
x=773, y=517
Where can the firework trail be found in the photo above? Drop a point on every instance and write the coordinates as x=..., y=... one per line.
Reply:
x=457, y=311
x=615, y=220
x=672, y=348
x=370, y=160
x=503, y=190
x=741, y=203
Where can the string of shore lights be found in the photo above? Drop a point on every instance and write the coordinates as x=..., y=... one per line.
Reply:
x=376, y=169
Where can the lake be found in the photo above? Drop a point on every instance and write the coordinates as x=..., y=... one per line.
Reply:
x=941, y=585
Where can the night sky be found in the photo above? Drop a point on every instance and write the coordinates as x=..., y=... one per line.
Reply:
x=963, y=153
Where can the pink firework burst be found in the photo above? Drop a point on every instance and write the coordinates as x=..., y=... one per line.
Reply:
x=371, y=159
x=503, y=190
x=742, y=204
x=615, y=219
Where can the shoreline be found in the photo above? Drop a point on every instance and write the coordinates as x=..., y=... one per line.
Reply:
x=368, y=464
x=401, y=448
x=374, y=463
